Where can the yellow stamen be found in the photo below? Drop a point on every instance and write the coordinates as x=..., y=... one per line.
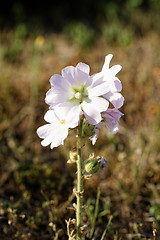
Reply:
x=63, y=121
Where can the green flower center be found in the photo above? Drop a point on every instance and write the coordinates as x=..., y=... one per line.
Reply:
x=79, y=94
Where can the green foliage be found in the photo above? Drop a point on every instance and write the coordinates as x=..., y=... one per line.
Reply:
x=80, y=34
x=155, y=207
x=115, y=33
x=133, y=4
x=154, y=5
x=111, y=11
x=155, y=212
x=15, y=44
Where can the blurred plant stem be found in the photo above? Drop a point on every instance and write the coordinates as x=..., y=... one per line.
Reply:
x=107, y=226
x=79, y=181
x=95, y=213
x=35, y=63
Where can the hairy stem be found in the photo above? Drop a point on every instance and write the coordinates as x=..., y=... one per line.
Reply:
x=79, y=181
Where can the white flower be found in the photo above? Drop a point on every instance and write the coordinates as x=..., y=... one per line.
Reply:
x=59, y=121
x=75, y=88
x=110, y=73
x=114, y=86
x=75, y=93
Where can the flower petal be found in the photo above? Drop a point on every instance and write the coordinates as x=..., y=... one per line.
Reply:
x=115, y=69
x=70, y=112
x=60, y=136
x=74, y=75
x=113, y=85
x=83, y=67
x=74, y=116
x=111, y=118
x=48, y=139
x=115, y=98
x=44, y=130
x=59, y=81
x=107, y=62
x=51, y=117
x=55, y=96
x=93, y=108
x=53, y=134
x=118, y=84
x=98, y=90
x=96, y=79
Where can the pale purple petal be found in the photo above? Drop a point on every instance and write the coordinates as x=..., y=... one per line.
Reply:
x=55, y=96
x=58, y=81
x=103, y=84
x=96, y=79
x=118, y=84
x=99, y=90
x=68, y=73
x=60, y=90
x=74, y=75
x=111, y=118
x=115, y=98
x=83, y=67
x=113, y=85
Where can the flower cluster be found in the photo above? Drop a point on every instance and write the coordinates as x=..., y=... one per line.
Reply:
x=75, y=93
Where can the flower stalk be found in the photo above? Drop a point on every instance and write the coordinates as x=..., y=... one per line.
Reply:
x=79, y=194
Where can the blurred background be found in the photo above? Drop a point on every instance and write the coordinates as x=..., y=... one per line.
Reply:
x=37, y=40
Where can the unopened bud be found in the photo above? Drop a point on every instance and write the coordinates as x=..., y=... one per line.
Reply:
x=91, y=165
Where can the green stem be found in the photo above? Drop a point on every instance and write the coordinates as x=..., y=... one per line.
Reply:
x=95, y=213
x=79, y=181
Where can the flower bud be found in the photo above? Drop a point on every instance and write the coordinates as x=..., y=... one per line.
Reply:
x=91, y=166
